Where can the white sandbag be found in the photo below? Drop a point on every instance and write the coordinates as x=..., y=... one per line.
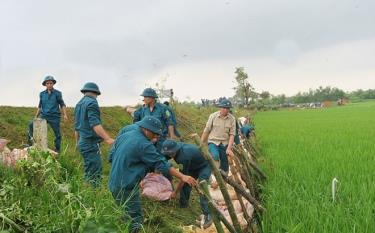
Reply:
x=217, y=196
x=239, y=215
x=221, y=205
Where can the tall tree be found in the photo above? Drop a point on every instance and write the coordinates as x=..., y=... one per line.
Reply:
x=244, y=91
x=264, y=95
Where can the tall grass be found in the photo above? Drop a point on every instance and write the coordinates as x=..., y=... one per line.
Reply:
x=304, y=150
x=42, y=206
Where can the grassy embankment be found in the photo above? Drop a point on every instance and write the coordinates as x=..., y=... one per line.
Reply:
x=32, y=196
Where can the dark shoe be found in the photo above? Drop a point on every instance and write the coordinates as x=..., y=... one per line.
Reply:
x=207, y=221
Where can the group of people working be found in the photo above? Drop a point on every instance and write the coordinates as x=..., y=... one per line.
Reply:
x=142, y=147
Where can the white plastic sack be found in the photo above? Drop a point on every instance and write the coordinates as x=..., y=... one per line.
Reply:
x=221, y=205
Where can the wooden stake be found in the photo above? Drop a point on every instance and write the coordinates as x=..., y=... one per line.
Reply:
x=233, y=168
x=246, y=171
x=220, y=181
x=250, y=148
x=242, y=191
x=248, y=162
x=245, y=174
x=214, y=213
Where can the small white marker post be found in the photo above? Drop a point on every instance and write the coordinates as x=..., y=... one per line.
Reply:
x=334, y=188
x=40, y=134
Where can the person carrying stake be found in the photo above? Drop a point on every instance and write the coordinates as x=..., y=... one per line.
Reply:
x=133, y=154
x=51, y=104
x=219, y=133
x=195, y=165
x=89, y=133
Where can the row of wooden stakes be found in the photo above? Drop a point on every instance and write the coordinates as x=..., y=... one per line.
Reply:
x=243, y=165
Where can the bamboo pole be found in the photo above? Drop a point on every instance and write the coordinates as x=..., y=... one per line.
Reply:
x=220, y=181
x=251, y=226
x=246, y=144
x=251, y=149
x=252, y=152
x=215, y=214
x=254, y=165
x=245, y=171
x=234, y=170
x=255, y=177
x=241, y=155
x=245, y=174
x=257, y=168
x=242, y=191
x=248, y=162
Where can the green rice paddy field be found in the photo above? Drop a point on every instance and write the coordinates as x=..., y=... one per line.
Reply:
x=303, y=151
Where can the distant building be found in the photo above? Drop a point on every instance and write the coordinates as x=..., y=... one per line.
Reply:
x=327, y=104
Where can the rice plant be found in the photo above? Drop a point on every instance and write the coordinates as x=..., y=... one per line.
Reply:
x=304, y=150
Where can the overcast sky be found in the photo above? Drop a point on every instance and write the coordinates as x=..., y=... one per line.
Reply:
x=124, y=46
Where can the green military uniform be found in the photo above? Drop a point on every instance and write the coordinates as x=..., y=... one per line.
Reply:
x=50, y=104
x=87, y=116
x=132, y=155
x=160, y=111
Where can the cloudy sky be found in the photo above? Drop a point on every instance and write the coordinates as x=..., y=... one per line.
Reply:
x=124, y=46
